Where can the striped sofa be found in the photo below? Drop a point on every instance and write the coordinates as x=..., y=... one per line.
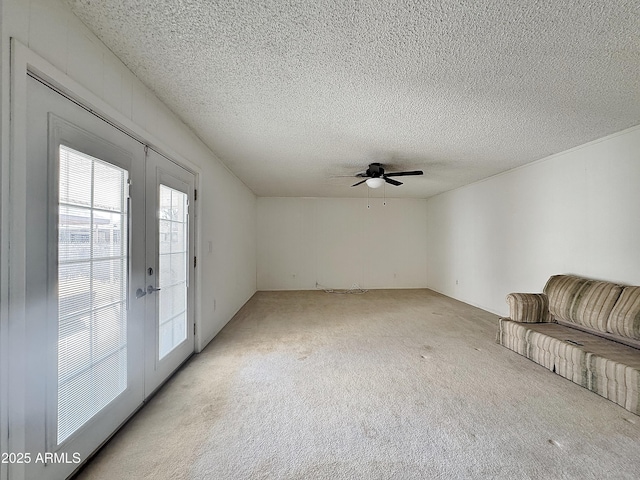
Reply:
x=585, y=330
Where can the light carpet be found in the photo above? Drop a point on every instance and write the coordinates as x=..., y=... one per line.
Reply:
x=391, y=384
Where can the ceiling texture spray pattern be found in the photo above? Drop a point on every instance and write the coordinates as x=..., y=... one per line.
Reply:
x=291, y=95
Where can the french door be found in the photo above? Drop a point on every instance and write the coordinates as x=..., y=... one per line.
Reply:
x=169, y=269
x=108, y=280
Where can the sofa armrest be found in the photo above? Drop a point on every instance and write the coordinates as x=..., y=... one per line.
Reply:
x=529, y=307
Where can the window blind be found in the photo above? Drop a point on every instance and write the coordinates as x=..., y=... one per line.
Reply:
x=92, y=288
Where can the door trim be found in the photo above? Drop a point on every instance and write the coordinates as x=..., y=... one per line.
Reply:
x=24, y=63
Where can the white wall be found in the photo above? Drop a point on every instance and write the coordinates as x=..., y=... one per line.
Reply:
x=227, y=206
x=339, y=241
x=575, y=212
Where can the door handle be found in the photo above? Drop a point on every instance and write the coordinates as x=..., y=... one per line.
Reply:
x=140, y=293
x=150, y=289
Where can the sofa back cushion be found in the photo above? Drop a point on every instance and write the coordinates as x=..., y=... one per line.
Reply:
x=582, y=301
x=625, y=316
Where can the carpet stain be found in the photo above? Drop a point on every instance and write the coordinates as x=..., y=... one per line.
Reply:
x=369, y=431
x=304, y=353
x=555, y=444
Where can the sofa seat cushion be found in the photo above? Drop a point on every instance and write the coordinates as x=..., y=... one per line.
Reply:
x=625, y=316
x=581, y=301
x=605, y=367
x=590, y=343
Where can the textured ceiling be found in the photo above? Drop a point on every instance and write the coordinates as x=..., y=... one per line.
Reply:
x=289, y=94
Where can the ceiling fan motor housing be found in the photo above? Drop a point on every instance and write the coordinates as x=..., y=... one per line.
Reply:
x=375, y=170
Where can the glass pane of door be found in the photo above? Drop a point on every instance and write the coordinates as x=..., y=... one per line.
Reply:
x=92, y=287
x=173, y=269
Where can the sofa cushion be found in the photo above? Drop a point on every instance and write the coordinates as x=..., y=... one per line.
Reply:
x=624, y=319
x=604, y=367
x=581, y=301
x=528, y=307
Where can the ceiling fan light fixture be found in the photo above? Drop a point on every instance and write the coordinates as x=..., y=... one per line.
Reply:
x=375, y=182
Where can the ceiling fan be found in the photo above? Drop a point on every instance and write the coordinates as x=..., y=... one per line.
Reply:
x=375, y=176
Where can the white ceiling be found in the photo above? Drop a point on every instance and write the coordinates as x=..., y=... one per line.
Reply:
x=289, y=93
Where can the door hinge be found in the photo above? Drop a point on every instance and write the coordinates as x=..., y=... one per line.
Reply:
x=194, y=328
x=195, y=194
x=195, y=261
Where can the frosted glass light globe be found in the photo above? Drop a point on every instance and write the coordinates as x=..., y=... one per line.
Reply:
x=375, y=182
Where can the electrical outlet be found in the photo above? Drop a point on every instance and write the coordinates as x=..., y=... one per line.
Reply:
x=456, y=282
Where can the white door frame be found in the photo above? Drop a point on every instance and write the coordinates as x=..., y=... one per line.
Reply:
x=12, y=375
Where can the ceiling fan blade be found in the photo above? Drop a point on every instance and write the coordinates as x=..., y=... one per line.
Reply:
x=404, y=174
x=356, y=184
x=392, y=182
